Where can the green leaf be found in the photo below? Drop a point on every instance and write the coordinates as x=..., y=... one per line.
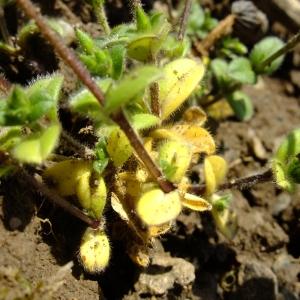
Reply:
x=9, y=137
x=86, y=42
x=286, y=165
x=219, y=69
x=241, y=105
x=144, y=121
x=234, y=46
x=196, y=19
x=117, y=54
x=102, y=157
x=36, y=148
x=142, y=20
x=240, y=70
x=85, y=103
x=130, y=87
x=6, y=170
x=143, y=48
x=264, y=49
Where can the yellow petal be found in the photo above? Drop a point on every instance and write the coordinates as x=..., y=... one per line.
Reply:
x=215, y=170
x=195, y=203
x=154, y=231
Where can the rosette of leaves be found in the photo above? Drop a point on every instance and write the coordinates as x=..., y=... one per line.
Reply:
x=30, y=128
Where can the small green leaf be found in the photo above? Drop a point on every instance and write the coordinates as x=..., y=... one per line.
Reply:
x=9, y=137
x=144, y=121
x=241, y=105
x=196, y=19
x=86, y=42
x=6, y=170
x=142, y=20
x=264, y=49
x=85, y=103
x=240, y=70
x=143, y=48
x=102, y=157
x=130, y=87
x=36, y=148
x=117, y=54
x=286, y=165
x=219, y=69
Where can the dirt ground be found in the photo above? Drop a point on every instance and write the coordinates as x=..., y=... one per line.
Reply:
x=193, y=261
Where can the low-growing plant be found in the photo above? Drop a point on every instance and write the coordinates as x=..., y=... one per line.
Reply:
x=139, y=167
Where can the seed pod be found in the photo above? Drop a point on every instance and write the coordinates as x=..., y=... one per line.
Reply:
x=155, y=207
x=174, y=158
x=94, y=252
x=91, y=196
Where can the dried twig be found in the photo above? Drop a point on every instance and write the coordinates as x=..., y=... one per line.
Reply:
x=154, y=94
x=239, y=184
x=184, y=19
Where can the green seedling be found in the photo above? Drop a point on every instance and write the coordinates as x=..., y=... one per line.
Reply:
x=286, y=163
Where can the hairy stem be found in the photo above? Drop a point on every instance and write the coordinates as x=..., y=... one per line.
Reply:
x=184, y=19
x=79, y=69
x=239, y=184
x=100, y=13
x=286, y=48
x=154, y=94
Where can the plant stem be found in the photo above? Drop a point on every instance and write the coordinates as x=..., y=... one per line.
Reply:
x=170, y=10
x=154, y=94
x=82, y=150
x=60, y=201
x=184, y=19
x=286, y=48
x=79, y=69
x=99, y=9
x=239, y=184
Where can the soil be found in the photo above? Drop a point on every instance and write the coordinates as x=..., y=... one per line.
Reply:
x=193, y=261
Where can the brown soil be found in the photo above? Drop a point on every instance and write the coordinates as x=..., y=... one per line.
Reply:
x=261, y=263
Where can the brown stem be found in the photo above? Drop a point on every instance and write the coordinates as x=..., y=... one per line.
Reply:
x=55, y=198
x=154, y=94
x=79, y=69
x=239, y=184
x=184, y=19
x=223, y=28
x=170, y=10
x=138, y=146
